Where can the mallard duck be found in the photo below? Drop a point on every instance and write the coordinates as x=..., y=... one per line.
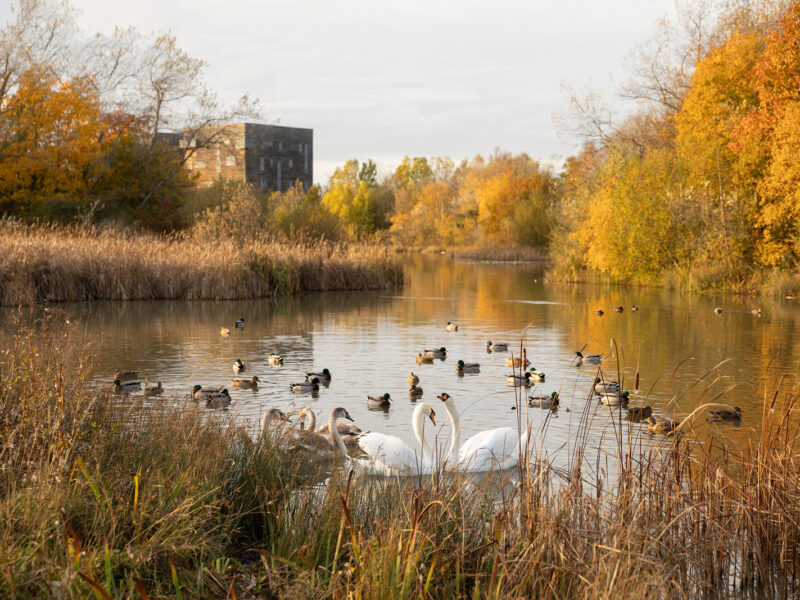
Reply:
x=518, y=361
x=756, y=312
x=665, y=427
x=605, y=387
x=379, y=401
x=639, y=413
x=239, y=323
x=311, y=385
x=275, y=360
x=536, y=375
x=125, y=375
x=323, y=375
x=423, y=359
x=412, y=379
x=152, y=388
x=220, y=400
x=245, y=384
x=127, y=386
x=588, y=359
x=718, y=310
x=435, y=353
x=614, y=398
x=238, y=366
x=619, y=309
x=492, y=347
x=202, y=393
x=224, y=331
x=519, y=379
x=463, y=367
x=634, y=308
x=451, y=326
x=539, y=401
x=599, y=313
x=415, y=391
x=725, y=414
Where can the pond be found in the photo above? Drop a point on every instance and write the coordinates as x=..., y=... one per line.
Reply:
x=369, y=341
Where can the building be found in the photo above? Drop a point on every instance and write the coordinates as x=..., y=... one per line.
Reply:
x=272, y=157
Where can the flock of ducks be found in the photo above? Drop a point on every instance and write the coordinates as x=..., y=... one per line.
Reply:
x=499, y=447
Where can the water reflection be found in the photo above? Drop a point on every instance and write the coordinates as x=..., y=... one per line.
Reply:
x=369, y=341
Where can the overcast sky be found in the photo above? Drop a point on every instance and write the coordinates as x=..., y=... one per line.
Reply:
x=382, y=80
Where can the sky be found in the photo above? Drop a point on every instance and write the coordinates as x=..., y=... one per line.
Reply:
x=383, y=80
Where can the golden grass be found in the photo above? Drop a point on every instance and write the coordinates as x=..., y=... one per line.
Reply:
x=67, y=264
x=155, y=498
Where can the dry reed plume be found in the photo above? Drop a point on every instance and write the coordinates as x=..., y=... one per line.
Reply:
x=67, y=264
x=136, y=499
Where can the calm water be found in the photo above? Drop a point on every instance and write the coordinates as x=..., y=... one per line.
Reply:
x=369, y=341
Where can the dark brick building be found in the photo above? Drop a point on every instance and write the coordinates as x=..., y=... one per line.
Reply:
x=272, y=157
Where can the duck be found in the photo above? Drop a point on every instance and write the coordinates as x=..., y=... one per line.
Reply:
x=201, y=393
x=275, y=360
x=665, y=427
x=463, y=367
x=756, y=312
x=599, y=313
x=324, y=375
x=379, y=401
x=239, y=323
x=310, y=385
x=718, y=310
x=725, y=414
x=518, y=361
x=634, y=308
x=542, y=401
x=220, y=400
x=435, y=352
x=614, y=398
x=415, y=391
x=245, y=384
x=519, y=379
x=605, y=387
x=422, y=359
x=125, y=375
x=492, y=347
x=224, y=331
x=451, y=326
x=412, y=379
x=536, y=375
x=639, y=413
x=238, y=366
x=152, y=388
x=127, y=386
x=619, y=309
x=588, y=359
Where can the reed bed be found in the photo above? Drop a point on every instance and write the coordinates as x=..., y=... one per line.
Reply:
x=156, y=499
x=50, y=263
x=502, y=254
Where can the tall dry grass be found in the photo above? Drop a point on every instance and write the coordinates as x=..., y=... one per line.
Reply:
x=66, y=264
x=137, y=499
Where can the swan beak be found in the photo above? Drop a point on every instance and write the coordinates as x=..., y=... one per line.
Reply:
x=348, y=417
x=432, y=419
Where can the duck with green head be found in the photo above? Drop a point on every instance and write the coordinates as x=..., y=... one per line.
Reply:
x=465, y=367
x=542, y=401
x=384, y=401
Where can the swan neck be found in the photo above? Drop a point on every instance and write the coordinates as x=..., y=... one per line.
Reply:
x=455, y=419
x=334, y=433
x=312, y=418
x=418, y=425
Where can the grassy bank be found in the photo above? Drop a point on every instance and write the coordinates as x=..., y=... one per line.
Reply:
x=58, y=264
x=155, y=499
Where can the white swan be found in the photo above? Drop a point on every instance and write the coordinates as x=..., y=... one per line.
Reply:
x=389, y=455
x=494, y=449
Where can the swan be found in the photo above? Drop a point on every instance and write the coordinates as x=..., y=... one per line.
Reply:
x=323, y=445
x=487, y=450
x=389, y=455
x=266, y=420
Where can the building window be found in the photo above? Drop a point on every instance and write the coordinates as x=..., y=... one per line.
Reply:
x=299, y=147
x=279, y=176
x=263, y=183
x=280, y=145
x=230, y=161
x=305, y=160
x=261, y=166
x=291, y=163
x=271, y=162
